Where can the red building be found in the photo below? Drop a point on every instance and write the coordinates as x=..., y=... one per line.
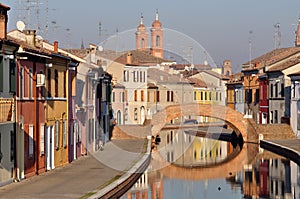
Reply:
x=31, y=61
x=264, y=178
x=263, y=99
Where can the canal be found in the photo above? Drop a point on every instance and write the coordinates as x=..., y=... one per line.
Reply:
x=187, y=166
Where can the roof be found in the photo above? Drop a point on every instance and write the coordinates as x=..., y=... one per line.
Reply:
x=235, y=78
x=4, y=6
x=285, y=65
x=197, y=82
x=151, y=85
x=295, y=73
x=118, y=85
x=270, y=58
x=140, y=58
x=163, y=77
x=215, y=74
x=196, y=66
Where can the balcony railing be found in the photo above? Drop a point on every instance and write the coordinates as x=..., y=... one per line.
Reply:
x=7, y=109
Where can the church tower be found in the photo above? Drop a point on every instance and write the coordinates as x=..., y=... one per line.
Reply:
x=157, y=38
x=297, y=42
x=141, y=36
x=227, y=69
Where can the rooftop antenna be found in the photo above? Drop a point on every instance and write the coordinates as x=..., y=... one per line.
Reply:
x=277, y=36
x=250, y=47
x=47, y=19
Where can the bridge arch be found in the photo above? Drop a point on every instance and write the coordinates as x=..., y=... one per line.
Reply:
x=242, y=126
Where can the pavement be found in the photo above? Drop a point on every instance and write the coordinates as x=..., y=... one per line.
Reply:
x=83, y=176
x=289, y=148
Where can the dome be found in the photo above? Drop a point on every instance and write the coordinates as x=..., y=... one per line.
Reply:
x=156, y=24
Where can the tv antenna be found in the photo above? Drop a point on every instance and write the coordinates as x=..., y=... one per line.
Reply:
x=277, y=35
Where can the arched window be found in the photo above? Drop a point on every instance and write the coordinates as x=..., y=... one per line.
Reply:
x=142, y=42
x=157, y=40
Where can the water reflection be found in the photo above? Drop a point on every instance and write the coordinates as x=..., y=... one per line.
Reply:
x=184, y=166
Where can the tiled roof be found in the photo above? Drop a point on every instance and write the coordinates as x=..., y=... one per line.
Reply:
x=285, y=65
x=197, y=82
x=140, y=58
x=26, y=46
x=163, y=77
x=215, y=74
x=270, y=58
x=118, y=85
x=151, y=85
x=295, y=73
x=196, y=66
x=235, y=78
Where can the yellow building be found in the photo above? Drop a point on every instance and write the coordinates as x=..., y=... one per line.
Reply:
x=56, y=111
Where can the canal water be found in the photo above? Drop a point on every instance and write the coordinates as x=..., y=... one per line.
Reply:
x=188, y=166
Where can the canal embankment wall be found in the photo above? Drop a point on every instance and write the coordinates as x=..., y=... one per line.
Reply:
x=121, y=185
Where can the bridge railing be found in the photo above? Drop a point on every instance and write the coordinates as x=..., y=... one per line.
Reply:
x=7, y=109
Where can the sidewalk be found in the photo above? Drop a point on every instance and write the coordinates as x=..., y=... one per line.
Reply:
x=289, y=148
x=82, y=176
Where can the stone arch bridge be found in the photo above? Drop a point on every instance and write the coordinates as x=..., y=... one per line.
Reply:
x=244, y=127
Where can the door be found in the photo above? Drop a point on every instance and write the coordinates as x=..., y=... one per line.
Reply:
x=264, y=118
x=49, y=148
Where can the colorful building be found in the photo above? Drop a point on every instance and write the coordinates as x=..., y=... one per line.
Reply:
x=8, y=150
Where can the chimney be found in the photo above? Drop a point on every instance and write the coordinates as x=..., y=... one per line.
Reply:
x=55, y=46
x=129, y=58
x=30, y=37
x=3, y=20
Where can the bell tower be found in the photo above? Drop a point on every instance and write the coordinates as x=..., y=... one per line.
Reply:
x=297, y=41
x=157, y=38
x=141, y=36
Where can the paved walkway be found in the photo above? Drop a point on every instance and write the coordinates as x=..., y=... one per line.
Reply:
x=82, y=176
x=289, y=148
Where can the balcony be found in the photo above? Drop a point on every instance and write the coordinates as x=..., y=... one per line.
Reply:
x=7, y=110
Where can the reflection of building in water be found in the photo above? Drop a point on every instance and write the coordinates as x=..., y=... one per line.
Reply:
x=150, y=185
x=269, y=179
x=180, y=148
x=295, y=180
x=280, y=178
x=173, y=144
x=209, y=151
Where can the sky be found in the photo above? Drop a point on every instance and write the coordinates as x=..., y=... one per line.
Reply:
x=224, y=28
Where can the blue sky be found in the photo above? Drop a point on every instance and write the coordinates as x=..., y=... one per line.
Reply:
x=220, y=26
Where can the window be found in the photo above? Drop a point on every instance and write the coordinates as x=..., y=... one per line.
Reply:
x=135, y=114
x=282, y=90
x=65, y=84
x=126, y=114
x=22, y=82
x=157, y=41
x=49, y=82
x=113, y=96
x=157, y=96
x=142, y=95
x=134, y=76
x=144, y=76
x=276, y=117
x=56, y=82
x=135, y=95
x=30, y=82
x=276, y=89
x=42, y=139
x=271, y=90
x=257, y=96
x=271, y=117
x=57, y=134
x=12, y=75
x=168, y=96
x=172, y=96
x=65, y=130
x=141, y=76
x=298, y=122
x=142, y=43
x=119, y=117
x=148, y=96
x=121, y=96
x=30, y=141
x=201, y=96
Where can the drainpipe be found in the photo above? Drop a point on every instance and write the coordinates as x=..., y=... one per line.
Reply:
x=36, y=135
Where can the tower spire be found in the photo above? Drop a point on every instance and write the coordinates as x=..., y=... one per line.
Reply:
x=142, y=19
x=156, y=15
